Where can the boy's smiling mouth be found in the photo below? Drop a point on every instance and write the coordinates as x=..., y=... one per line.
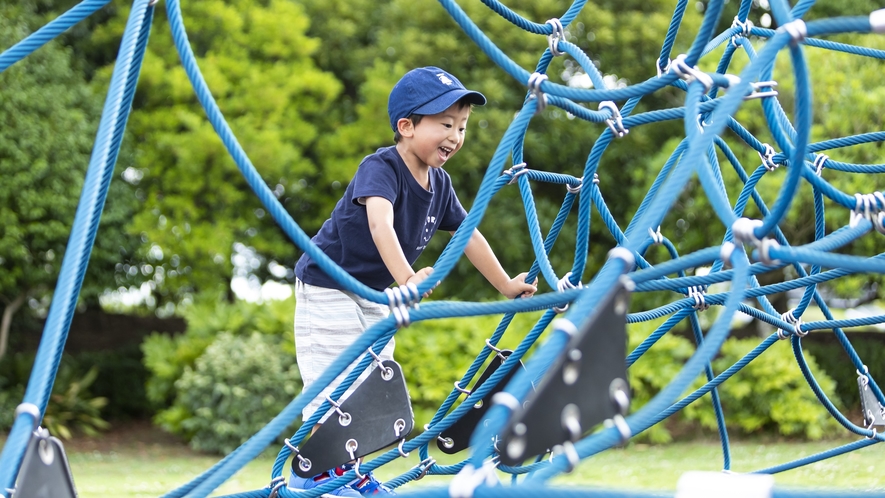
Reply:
x=444, y=152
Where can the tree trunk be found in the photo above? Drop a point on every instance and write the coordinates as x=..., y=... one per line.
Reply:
x=6, y=322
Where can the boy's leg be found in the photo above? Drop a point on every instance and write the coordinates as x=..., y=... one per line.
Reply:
x=327, y=321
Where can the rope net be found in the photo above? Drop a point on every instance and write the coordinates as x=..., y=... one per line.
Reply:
x=750, y=247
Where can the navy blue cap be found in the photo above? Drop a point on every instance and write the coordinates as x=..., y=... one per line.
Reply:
x=425, y=91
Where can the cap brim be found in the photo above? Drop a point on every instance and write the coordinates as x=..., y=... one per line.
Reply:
x=446, y=100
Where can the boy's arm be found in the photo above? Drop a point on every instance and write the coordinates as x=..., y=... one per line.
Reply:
x=380, y=214
x=483, y=258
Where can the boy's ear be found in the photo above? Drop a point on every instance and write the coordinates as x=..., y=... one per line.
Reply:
x=405, y=127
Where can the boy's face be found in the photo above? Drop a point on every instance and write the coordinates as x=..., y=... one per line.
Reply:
x=439, y=136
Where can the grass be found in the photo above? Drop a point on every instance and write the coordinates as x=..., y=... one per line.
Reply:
x=151, y=469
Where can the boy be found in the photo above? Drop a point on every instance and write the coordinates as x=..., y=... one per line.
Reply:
x=399, y=197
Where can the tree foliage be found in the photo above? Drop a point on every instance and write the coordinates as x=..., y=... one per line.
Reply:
x=50, y=115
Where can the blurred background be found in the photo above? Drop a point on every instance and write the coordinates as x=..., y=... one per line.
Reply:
x=185, y=317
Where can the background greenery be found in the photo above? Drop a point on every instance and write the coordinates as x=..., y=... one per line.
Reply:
x=304, y=86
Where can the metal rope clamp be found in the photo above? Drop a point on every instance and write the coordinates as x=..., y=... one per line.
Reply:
x=697, y=292
x=515, y=172
x=767, y=156
x=615, y=123
x=690, y=73
x=534, y=85
x=746, y=27
x=790, y=318
x=557, y=34
x=820, y=161
x=563, y=285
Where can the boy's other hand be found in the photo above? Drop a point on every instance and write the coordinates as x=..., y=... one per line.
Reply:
x=420, y=276
x=518, y=287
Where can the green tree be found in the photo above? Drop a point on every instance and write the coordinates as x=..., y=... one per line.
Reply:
x=50, y=116
x=194, y=204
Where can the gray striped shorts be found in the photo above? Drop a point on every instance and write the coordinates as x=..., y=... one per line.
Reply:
x=327, y=321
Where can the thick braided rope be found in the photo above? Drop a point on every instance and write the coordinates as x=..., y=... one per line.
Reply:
x=695, y=155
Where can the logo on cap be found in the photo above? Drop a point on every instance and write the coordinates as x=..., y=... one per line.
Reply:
x=444, y=79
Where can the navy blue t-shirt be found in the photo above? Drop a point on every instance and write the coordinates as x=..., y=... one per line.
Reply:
x=417, y=215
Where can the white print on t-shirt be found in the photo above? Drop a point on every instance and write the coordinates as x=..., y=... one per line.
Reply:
x=428, y=232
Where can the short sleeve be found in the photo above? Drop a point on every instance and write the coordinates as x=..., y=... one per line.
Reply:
x=374, y=178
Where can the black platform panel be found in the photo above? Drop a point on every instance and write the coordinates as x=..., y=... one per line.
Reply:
x=872, y=410
x=377, y=414
x=457, y=437
x=45, y=472
x=584, y=386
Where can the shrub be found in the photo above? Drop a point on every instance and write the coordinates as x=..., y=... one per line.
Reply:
x=770, y=394
x=227, y=375
x=71, y=407
x=234, y=389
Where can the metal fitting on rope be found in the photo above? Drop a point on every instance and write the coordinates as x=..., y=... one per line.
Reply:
x=871, y=207
x=764, y=247
x=796, y=29
x=506, y=400
x=461, y=389
x=725, y=253
x=386, y=372
x=757, y=92
x=615, y=123
x=469, y=478
x=743, y=230
x=819, y=163
x=746, y=27
x=153, y=2
x=662, y=70
x=619, y=423
x=756, y=88
x=767, y=156
x=656, y=237
x=344, y=418
x=790, y=318
x=568, y=449
x=303, y=463
x=515, y=172
x=534, y=85
x=877, y=21
x=275, y=484
x=496, y=350
x=565, y=326
x=596, y=178
x=446, y=441
x=624, y=254
x=575, y=189
x=399, y=299
x=563, y=285
x=690, y=73
x=697, y=292
x=30, y=409
x=423, y=466
x=557, y=33
x=879, y=223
